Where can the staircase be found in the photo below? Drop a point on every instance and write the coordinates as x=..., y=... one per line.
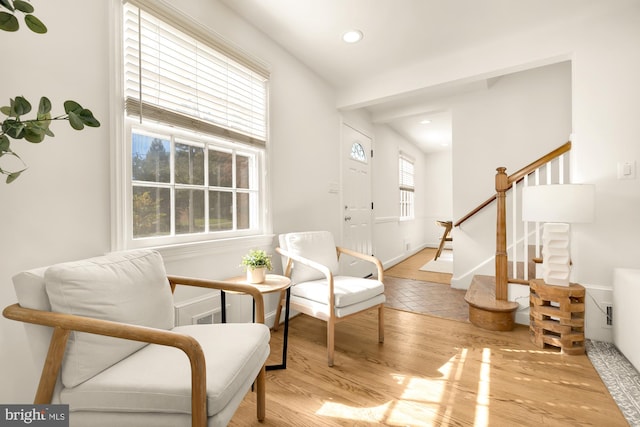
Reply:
x=487, y=296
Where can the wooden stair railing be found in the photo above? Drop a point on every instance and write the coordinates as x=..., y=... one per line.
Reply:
x=517, y=177
x=503, y=184
x=496, y=315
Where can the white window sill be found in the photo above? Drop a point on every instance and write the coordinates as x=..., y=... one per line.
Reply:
x=213, y=247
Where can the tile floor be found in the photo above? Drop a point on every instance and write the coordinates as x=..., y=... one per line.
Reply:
x=436, y=299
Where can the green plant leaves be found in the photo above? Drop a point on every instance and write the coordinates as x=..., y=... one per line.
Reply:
x=16, y=108
x=8, y=22
x=13, y=128
x=87, y=118
x=44, y=106
x=19, y=107
x=23, y=6
x=35, y=130
x=12, y=176
x=5, y=145
x=79, y=117
x=35, y=25
x=7, y=4
x=71, y=106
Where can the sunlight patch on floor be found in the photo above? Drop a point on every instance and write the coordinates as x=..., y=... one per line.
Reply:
x=424, y=401
x=345, y=412
x=484, y=388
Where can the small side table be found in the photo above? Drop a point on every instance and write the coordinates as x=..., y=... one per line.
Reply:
x=556, y=316
x=272, y=283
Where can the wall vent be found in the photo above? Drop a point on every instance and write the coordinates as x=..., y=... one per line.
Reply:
x=201, y=310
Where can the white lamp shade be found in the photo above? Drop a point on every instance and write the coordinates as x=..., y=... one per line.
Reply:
x=569, y=203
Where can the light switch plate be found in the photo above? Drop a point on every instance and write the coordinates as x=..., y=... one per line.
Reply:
x=627, y=170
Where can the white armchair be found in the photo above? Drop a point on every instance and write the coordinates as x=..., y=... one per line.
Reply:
x=310, y=259
x=104, y=329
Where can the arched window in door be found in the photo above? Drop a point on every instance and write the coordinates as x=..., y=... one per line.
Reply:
x=357, y=152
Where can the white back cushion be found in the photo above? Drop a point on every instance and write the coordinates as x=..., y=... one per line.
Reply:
x=31, y=293
x=317, y=246
x=129, y=287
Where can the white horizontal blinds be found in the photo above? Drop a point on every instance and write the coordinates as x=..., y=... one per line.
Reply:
x=406, y=174
x=406, y=180
x=176, y=78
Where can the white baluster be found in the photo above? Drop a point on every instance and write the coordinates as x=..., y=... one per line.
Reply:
x=525, y=227
x=514, y=227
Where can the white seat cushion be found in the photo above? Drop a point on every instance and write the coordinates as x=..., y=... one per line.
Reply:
x=347, y=290
x=321, y=311
x=157, y=378
x=129, y=287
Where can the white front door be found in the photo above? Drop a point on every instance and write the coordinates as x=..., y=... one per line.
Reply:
x=357, y=206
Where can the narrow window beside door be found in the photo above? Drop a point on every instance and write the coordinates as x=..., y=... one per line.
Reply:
x=406, y=184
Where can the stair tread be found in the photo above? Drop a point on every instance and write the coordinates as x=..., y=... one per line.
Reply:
x=482, y=294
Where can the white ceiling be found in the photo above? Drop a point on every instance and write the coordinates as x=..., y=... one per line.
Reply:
x=397, y=34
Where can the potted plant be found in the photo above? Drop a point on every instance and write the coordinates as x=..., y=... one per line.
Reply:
x=256, y=263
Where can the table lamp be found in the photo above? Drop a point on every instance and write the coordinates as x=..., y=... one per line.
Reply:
x=558, y=206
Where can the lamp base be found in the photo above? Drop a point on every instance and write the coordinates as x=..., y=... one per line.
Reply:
x=556, y=258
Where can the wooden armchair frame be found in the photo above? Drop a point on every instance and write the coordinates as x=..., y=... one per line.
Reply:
x=331, y=319
x=63, y=324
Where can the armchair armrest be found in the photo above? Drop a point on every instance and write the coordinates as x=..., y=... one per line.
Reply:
x=364, y=257
x=322, y=268
x=224, y=286
x=63, y=324
x=305, y=261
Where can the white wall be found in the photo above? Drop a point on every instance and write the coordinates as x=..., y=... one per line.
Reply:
x=439, y=201
x=60, y=209
x=395, y=240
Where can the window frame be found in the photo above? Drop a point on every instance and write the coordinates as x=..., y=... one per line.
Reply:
x=406, y=188
x=122, y=187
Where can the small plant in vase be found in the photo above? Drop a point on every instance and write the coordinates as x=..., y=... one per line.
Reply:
x=256, y=262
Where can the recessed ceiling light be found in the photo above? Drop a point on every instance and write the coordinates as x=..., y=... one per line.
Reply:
x=352, y=36
x=425, y=122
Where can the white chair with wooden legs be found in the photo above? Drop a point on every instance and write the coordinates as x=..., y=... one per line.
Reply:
x=104, y=331
x=310, y=259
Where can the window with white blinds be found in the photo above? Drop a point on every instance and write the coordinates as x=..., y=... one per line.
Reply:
x=406, y=184
x=177, y=78
x=196, y=119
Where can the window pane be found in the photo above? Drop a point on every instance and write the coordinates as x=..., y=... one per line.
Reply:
x=220, y=169
x=189, y=211
x=150, y=158
x=220, y=211
x=406, y=204
x=244, y=211
x=357, y=152
x=151, y=211
x=242, y=172
x=189, y=164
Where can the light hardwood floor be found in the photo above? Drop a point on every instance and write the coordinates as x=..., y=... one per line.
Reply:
x=430, y=371
x=410, y=268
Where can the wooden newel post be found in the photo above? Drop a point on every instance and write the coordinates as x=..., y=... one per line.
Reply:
x=502, y=185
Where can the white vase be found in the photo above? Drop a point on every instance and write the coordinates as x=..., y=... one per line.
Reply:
x=256, y=275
